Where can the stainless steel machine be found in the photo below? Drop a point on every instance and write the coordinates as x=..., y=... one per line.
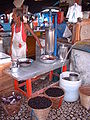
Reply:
x=49, y=56
x=49, y=41
x=50, y=37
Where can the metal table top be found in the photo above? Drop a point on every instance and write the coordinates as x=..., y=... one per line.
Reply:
x=35, y=69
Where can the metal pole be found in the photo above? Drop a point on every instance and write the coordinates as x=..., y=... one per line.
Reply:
x=55, y=45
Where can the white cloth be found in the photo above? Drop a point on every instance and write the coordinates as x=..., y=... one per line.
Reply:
x=18, y=52
x=74, y=12
x=67, y=33
x=18, y=3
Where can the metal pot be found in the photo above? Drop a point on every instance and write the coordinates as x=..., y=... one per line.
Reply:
x=49, y=41
x=74, y=76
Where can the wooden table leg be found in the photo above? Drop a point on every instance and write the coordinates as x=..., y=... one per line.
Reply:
x=16, y=84
x=64, y=68
x=50, y=75
x=29, y=88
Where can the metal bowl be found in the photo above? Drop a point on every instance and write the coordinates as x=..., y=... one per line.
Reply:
x=25, y=62
x=47, y=59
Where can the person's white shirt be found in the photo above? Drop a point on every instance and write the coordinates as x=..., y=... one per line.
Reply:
x=74, y=12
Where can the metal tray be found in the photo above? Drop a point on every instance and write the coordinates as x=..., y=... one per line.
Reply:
x=47, y=59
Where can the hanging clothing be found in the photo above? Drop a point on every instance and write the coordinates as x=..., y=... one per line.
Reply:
x=63, y=30
x=73, y=13
x=60, y=29
x=18, y=44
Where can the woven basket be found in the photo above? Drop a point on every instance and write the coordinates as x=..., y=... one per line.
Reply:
x=57, y=101
x=41, y=114
x=11, y=109
x=85, y=96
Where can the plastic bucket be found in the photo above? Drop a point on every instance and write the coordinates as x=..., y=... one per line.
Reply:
x=85, y=96
x=71, y=87
x=41, y=106
x=56, y=94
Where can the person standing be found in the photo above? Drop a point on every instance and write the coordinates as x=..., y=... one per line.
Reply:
x=19, y=34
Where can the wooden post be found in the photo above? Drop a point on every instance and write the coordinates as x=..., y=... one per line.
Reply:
x=29, y=87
